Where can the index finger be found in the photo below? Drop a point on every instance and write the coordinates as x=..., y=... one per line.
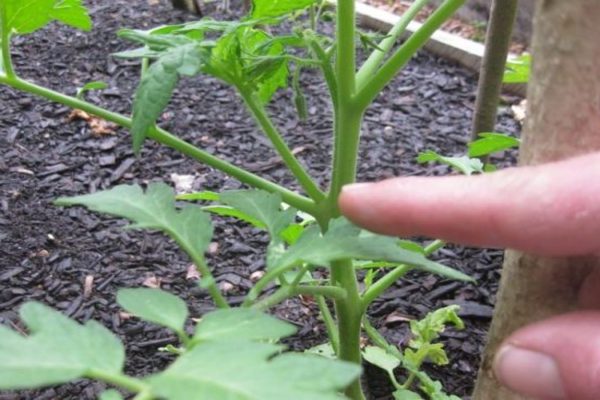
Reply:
x=551, y=209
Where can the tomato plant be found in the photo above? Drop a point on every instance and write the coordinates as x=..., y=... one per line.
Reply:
x=306, y=230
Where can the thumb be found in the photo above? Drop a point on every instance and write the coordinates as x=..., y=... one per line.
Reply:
x=556, y=359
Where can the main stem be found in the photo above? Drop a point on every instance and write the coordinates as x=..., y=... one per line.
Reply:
x=348, y=119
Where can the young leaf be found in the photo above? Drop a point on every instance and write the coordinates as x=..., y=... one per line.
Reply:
x=429, y=328
x=382, y=359
x=238, y=324
x=464, y=164
x=156, y=306
x=491, y=143
x=56, y=351
x=277, y=8
x=262, y=206
x=154, y=209
x=250, y=60
x=518, y=70
x=345, y=241
x=432, y=388
x=206, y=372
x=96, y=85
x=25, y=17
x=157, y=86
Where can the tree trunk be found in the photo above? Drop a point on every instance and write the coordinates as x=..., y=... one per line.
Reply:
x=564, y=120
x=497, y=42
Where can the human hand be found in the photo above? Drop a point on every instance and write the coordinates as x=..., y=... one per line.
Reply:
x=548, y=210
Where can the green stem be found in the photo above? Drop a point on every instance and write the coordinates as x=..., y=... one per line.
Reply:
x=391, y=277
x=329, y=322
x=205, y=273
x=332, y=292
x=144, y=396
x=383, y=284
x=349, y=314
x=348, y=123
x=385, y=46
x=346, y=49
x=261, y=116
x=7, y=65
x=287, y=292
x=166, y=138
x=378, y=339
x=123, y=381
x=328, y=70
x=371, y=89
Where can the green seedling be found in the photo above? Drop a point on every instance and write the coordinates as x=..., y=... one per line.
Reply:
x=233, y=351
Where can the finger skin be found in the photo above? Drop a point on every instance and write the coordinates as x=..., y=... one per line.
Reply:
x=552, y=209
x=573, y=341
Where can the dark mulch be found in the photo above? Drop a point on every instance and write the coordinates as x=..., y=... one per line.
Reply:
x=48, y=253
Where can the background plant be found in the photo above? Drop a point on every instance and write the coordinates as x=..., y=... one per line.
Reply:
x=246, y=55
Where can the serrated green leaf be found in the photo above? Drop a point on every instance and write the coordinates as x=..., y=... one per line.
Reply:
x=382, y=359
x=464, y=164
x=200, y=196
x=56, y=351
x=238, y=324
x=96, y=85
x=345, y=241
x=156, y=306
x=292, y=233
x=491, y=143
x=226, y=211
x=206, y=372
x=157, y=86
x=278, y=8
x=155, y=209
x=111, y=395
x=403, y=394
x=262, y=206
x=28, y=16
x=518, y=70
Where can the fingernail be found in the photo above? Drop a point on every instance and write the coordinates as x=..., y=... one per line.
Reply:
x=529, y=373
x=356, y=187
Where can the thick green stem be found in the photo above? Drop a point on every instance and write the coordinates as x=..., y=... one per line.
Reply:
x=261, y=116
x=346, y=49
x=372, y=87
x=7, y=66
x=164, y=137
x=349, y=314
x=385, y=46
x=497, y=44
x=348, y=123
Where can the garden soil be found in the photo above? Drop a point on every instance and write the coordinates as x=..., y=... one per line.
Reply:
x=75, y=260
